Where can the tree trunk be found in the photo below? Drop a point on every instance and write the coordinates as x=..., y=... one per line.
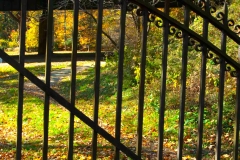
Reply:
x=42, y=38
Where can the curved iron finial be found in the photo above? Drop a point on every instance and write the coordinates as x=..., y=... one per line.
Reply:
x=179, y=34
x=159, y=23
x=220, y=16
x=131, y=7
x=172, y=29
x=151, y=18
x=198, y=47
x=231, y=23
x=237, y=29
x=191, y=41
x=139, y=12
x=209, y=54
x=234, y=73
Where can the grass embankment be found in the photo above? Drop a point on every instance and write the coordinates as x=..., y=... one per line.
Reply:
x=59, y=118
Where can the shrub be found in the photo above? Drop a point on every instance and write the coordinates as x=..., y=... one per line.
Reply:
x=3, y=44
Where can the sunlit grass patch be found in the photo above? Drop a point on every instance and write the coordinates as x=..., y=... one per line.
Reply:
x=59, y=117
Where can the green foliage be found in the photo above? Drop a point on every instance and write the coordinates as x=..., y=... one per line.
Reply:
x=131, y=66
x=3, y=44
x=131, y=74
x=173, y=92
x=7, y=25
x=14, y=39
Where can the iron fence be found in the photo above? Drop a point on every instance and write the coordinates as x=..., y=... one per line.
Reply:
x=170, y=27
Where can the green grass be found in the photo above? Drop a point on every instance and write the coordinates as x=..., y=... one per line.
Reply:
x=59, y=118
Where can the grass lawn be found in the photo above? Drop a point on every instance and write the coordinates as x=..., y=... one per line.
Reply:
x=59, y=119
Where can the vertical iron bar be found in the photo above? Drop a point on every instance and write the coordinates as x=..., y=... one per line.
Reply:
x=120, y=76
x=73, y=77
x=237, y=113
x=142, y=82
x=47, y=76
x=183, y=82
x=202, y=84
x=237, y=119
x=65, y=29
x=221, y=87
x=163, y=81
x=21, y=78
x=97, y=77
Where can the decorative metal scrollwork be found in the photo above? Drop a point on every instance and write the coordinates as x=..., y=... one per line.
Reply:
x=231, y=23
x=172, y=29
x=139, y=12
x=131, y=7
x=198, y=2
x=151, y=18
x=179, y=34
x=216, y=60
x=220, y=16
x=201, y=4
x=234, y=73
x=198, y=47
x=212, y=10
x=209, y=54
x=229, y=68
x=237, y=29
x=159, y=23
x=191, y=41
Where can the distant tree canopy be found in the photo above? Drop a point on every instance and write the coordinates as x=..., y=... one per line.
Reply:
x=37, y=24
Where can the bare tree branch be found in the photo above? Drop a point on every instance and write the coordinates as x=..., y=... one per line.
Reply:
x=14, y=17
x=103, y=32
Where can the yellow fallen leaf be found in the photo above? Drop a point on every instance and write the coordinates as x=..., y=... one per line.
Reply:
x=225, y=156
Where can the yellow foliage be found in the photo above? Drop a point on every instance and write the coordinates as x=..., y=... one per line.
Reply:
x=32, y=32
x=63, y=23
x=63, y=27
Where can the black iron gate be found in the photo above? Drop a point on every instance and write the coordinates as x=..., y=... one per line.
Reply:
x=171, y=27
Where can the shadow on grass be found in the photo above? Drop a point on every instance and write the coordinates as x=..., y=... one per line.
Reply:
x=57, y=148
x=85, y=85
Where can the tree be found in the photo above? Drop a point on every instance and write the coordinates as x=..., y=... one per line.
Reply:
x=8, y=32
x=6, y=25
x=42, y=34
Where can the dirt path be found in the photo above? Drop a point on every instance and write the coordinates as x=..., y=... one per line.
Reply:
x=56, y=76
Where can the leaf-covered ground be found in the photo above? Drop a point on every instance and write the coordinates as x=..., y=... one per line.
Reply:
x=59, y=120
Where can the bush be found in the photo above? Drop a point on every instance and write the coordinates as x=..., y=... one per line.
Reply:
x=3, y=44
